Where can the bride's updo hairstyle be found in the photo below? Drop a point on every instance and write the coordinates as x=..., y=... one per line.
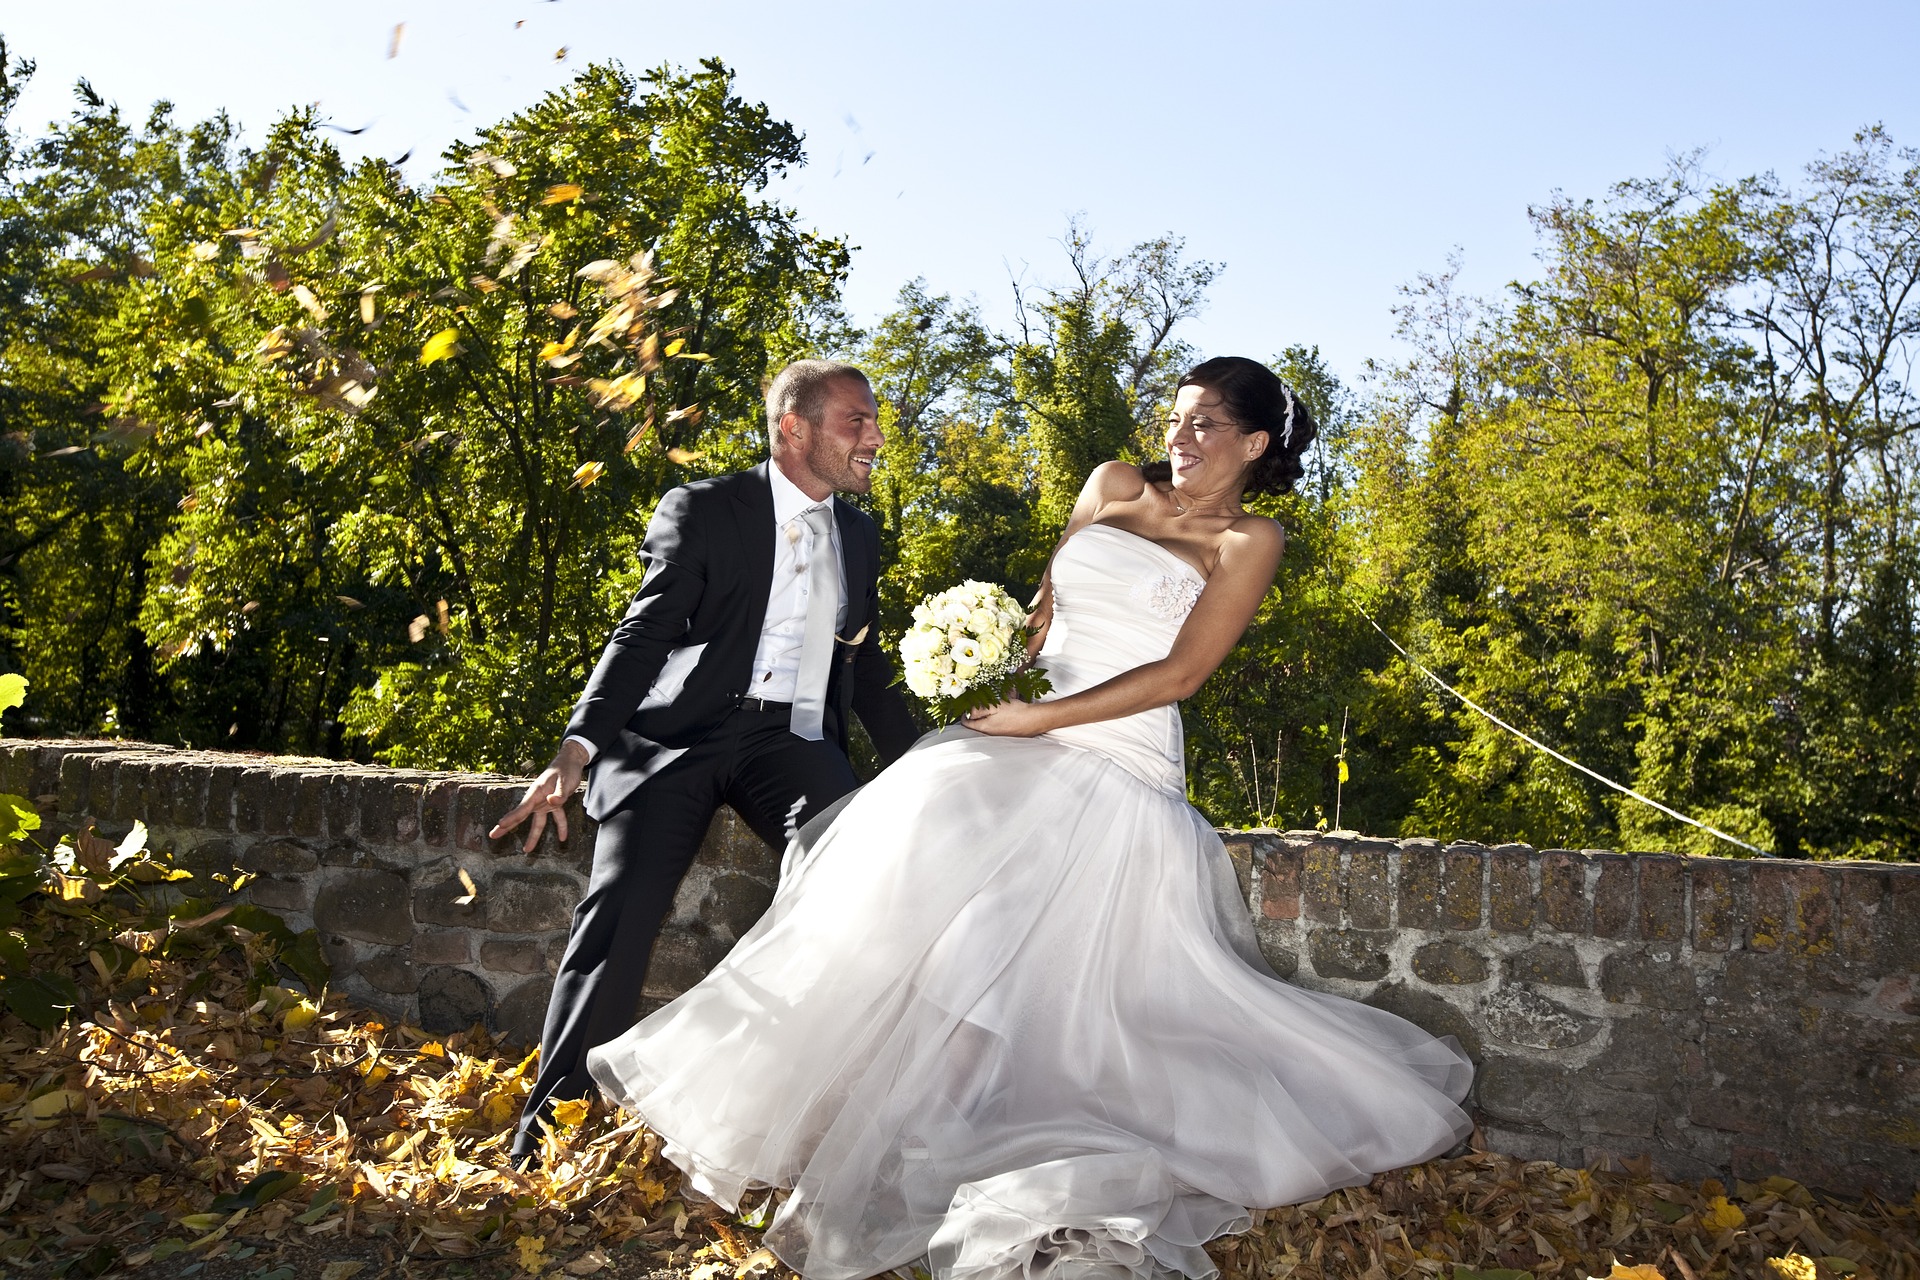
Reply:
x=1258, y=401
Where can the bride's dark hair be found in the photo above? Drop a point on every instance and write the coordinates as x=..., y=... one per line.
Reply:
x=1258, y=401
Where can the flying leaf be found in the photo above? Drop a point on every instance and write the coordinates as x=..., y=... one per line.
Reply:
x=304, y=296
x=443, y=345
x=473, y=890
x=13, y=691
x=1343, y=771
x=418, y=628
x=561, y=192
x=588, y=472
x=684, y=457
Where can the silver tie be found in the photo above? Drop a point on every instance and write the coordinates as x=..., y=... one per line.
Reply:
x=816, y=648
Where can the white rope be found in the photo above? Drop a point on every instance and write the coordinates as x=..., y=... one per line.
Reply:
x=1541, y=746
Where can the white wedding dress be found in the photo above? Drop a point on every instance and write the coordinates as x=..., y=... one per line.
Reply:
x=1007, y=1011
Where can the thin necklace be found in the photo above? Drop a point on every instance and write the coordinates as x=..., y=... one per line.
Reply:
x=1180, y=509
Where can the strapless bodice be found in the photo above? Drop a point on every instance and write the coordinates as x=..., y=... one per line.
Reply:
x=1118, y=601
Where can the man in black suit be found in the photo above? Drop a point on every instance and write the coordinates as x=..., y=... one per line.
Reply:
x=729, y=680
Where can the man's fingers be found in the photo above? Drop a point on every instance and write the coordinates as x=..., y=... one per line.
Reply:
x=514, y=817
x=534, y=829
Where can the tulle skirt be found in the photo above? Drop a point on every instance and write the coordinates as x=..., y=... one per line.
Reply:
x=1007, y=1013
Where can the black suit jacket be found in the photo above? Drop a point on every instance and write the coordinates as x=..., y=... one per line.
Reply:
x=684, y=651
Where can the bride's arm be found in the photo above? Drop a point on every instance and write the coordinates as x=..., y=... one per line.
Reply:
x=1248, y=559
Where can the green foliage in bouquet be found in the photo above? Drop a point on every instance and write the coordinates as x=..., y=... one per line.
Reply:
x=967, y=649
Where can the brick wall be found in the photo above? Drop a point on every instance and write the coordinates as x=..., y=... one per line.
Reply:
x=1722, y=1016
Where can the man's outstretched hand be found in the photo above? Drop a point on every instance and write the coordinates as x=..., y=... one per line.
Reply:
x=547, y=797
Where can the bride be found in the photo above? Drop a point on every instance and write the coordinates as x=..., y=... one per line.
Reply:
x=1006, y=1011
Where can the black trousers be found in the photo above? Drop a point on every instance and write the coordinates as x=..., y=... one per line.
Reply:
x=774, y=780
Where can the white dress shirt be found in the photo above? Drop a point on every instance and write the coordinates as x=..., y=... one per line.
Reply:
x=776, y=661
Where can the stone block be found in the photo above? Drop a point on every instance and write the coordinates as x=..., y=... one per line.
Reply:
x=1510, y=888
x=101, y=771
x=16, y=769
x=513, y=956
x=406, y=811
x=1279, y=945
x=251, y=798
x=391, y=971
x=1718, y=888
x=1320, y=868
x=371, y=906
x=280, y=894
x=1462, y=886
x=283, y=800
x=376, y=809
x=1770, y=917
x=311, y=792
x=342, y=954
x=452, y=999
x=1663, y=896
x=733, y=904
x=519, y=1016
x=76, y=781
x=281, y=857
x=436, y=812
x=1432, y=1012
x=1815, y=907
x=531, y=901
x=442, y=946
x=1631, y=977
x=438, y=903
x=679, y=961
x=1369, y=894
x=481, y=805
x=1280, y=885
x=1449, y=964
x=1357, y=954
x=1240, y=853
x=1530, y=1144
x=1525, y=1018
x=1618, y=1113
x=1548, y=964
x=208, y=857
x=1563, y=891
x=1862, y=923
x=1613, y=913
x=1732, y=1110
x=1521, y=1091
x=729, y=842
x=1422, y=870
x=221, y=778
x=190, y=796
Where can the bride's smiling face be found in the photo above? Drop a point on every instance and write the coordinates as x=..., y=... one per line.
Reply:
x=1208, y=448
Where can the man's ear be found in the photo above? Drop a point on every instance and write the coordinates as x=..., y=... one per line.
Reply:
x=793, y=429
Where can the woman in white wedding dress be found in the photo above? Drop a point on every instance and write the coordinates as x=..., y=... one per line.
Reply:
x=1006, y=1011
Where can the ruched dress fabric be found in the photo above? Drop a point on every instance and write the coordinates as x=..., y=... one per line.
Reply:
x=1007, y=1013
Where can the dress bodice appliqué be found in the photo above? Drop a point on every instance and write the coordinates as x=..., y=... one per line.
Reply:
x=1119, y=600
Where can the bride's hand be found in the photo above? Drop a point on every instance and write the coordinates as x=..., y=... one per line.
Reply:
x=1010, y=719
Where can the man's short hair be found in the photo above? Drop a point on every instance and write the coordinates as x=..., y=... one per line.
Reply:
x=801, y=388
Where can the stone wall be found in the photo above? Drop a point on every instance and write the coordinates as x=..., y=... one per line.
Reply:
x=1722, y=1016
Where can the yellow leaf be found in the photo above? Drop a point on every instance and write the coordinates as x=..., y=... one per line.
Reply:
x=1343, y=771
x=304, y=296
x=588, y=472
x=553, y=350
x=433, y=1049
x=202, y=1221
x=1793, y=1267
x=299, y=1016
x=1723, y=1215
x=13, y=691
x=570, y=1113
x=498, y=1111
x=1644, y=1271
x=532, y=1251
x=561, y=192
x=443, y=345
x=685, y=457
x=53, y=1105
x=675, y=347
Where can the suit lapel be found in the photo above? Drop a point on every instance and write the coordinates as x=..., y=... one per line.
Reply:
x=858, y=563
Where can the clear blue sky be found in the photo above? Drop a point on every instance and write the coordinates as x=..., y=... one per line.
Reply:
x=1325, y=153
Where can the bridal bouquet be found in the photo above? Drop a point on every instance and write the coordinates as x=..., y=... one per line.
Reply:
x=966, y=649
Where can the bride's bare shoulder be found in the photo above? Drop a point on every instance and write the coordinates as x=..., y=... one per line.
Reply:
x=1117, y=482
x=1254, y=537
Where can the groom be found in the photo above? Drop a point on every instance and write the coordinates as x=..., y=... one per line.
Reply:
x=729, y=681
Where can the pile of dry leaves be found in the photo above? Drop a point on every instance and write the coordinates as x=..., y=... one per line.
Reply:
x=216, y=1123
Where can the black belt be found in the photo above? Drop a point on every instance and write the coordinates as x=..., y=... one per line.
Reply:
x=746, y=703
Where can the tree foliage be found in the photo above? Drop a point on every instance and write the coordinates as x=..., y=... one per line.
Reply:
x=301, y=457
